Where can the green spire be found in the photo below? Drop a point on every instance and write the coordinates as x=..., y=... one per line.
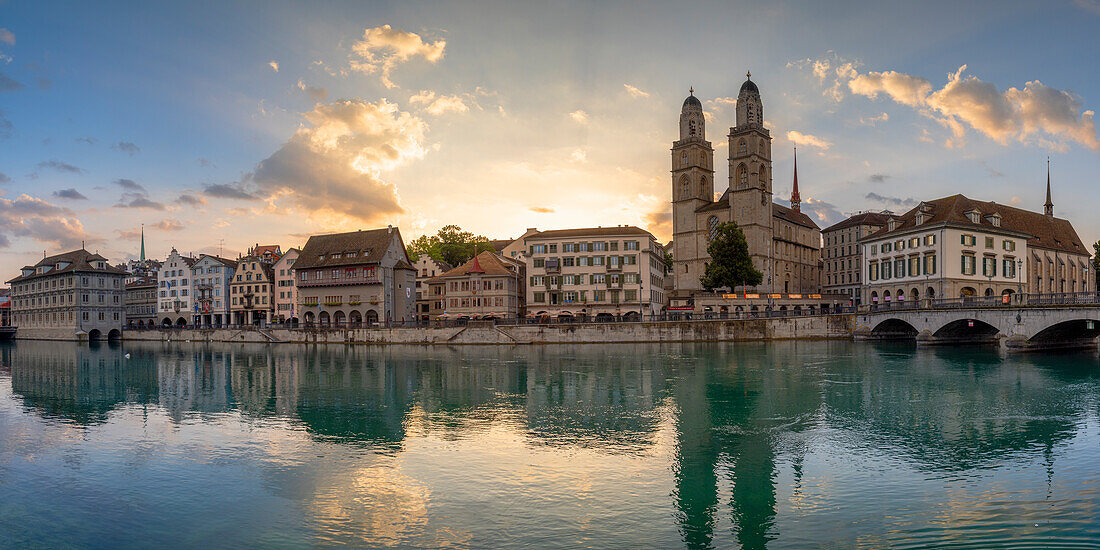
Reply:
x=143, y=242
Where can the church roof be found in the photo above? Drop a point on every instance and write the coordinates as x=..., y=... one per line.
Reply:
x=749, y=86
x=692, y=103
x=794, y=216
x=1046, y=231
x=877, y=219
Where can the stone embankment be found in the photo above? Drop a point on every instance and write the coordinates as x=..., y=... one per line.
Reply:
x=817, y=327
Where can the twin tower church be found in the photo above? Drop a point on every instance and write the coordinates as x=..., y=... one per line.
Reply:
x=785, y=244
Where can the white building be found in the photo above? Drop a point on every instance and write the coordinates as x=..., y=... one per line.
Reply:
x=174, y=305
x=210, y=277
x=286, y=290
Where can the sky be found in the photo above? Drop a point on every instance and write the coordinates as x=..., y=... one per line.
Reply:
x=219, y=125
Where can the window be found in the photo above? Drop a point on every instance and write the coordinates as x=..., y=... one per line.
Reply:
x=969, y=240
x=914, y=242
x=1008, y=267
x=538, y=249
x=885, y=270
x=886, y=247
x=305, y=276
x=1008, y=245
x=540, y=297
x=930, y=240
x=989, y=266
x=930, y=264
x=914, y=265
x=989, y=242
x=967, y=264
x=899, y=244
x=553, y=249
x=899, y=268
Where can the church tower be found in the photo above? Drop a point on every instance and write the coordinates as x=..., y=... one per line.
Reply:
x=750, y=178
x=692, y=188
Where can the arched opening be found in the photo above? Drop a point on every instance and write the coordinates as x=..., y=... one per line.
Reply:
x=1078, y=333
x=930, y=293
x=967, y=292
x=338, y=318
x=989, y=291
x=355, y=318
x=95, y=335
x=181, y=322
x=763, y=177
x=967, y=331
x=372, y=317
x=704, y=189
x=324, y=319
x=894, y=329
x=309, y=317
x=874, y=296
x=114, y=335
x=166, y=322
x=604, y=317
x=685, y=187
x=914, y=294
x=632, y=316
x=742, y=175
x=886, y=296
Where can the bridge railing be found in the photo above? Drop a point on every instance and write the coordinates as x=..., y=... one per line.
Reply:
x=1006, y=301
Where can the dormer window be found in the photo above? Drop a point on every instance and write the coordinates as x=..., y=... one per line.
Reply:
x=925, y=207
x=920, y=218
x=994, y=219
x=891, y=224
x=975, y=216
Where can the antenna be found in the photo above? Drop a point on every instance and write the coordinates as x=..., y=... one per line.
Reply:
x=221, y=242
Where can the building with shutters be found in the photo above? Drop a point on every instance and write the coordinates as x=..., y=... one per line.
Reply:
x=72, y=296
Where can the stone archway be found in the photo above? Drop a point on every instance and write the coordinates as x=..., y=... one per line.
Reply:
x=95, y=335
x=355, y=318
x=309, y=317
x=372, y=317
x=114, y=335
x=324, y=319
x=338, y=319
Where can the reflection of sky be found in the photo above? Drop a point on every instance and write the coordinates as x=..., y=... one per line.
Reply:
x=807, y=443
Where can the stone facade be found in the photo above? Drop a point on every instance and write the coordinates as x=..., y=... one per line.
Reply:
x=487, y=286
x=361, y=277
x=252, y=291
x=211, y=276
x=843, y=256
x=174, y=303
x=286, y=291
x=428, y=306
x=784, y=243
x=594, y=272
x=70, y=296
x=959, y=247
x=141, y=303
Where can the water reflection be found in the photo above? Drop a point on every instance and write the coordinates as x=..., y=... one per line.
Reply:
x=742, y=418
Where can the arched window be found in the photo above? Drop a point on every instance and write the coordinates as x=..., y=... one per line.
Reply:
x=763, y=177
x=691, y=128
x=705, y=189
x=742, y=147
x=684, y=158
x=742, y=175
x=685, y=188
x=712, y=228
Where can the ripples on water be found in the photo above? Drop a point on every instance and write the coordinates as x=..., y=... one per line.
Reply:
x=783, y=445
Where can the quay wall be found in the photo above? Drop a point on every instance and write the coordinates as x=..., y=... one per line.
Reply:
x=816, y=327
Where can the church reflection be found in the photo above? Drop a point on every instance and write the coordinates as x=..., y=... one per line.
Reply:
x=738, y=412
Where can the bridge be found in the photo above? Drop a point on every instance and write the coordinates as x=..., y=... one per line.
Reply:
x=1016, y=322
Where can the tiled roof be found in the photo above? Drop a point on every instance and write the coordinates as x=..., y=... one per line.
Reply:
x=499, y=244
x=79, y=261
x=877, y=219
x=793, y=216
x=369, y=248
x=591, y=232
x=1046, y=231
x=219, y=259
x=486, y=262
x=142, y=282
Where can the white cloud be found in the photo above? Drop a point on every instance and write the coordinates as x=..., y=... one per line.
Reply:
x=314, y=93
x=438, y=105
x=871, y=121
x=579, y=116
x=578, y=156
x=28, y=216
x=719, y=103
x=383, y=48
x=902, y=88
x=7, y=37
x=635, y=92
x=332, y=167
x=274, y=65
x=799, y=138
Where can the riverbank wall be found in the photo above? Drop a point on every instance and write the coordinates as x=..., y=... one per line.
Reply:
x=788, y=328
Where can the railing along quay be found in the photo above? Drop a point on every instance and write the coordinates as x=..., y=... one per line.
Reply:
x=1001, y=301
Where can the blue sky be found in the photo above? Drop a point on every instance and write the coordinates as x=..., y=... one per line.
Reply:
x=504, y=116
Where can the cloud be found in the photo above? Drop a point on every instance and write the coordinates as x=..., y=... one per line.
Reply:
x=799, y=138
x=383, y=48
x=70, y=193
x=7, y=37
x=274, y=65
x=41, y=221
x=871, y=121
x=126, y=147
x=541, y=210
x=191, y=200
x=87, y=140
x=60, y=166
x=878, y=178
x=579, y=116
x=578, y=156
x=129, y=185
x=894, y=201
x=204, y=163
x=993, y=172
x=659, y=222
x=635, y=92
x=438, y=105
x=4, y=178
x=138, y=200
x=163, y=225
x=5, y=126
x=334, y=164
x=1035, y=114
x=227, y=191
x=168, y=225
x=316, y=94
x=825, y=214
x=719, y=103
x=1087, y=5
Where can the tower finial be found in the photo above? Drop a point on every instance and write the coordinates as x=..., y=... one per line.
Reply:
x=796, y=199
x=1049, y=206
x=748, y=74
x=691, y=90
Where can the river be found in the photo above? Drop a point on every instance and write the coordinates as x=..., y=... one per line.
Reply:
x=802, y=444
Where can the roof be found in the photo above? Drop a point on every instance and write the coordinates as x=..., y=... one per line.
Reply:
x=219, y=259
x=142, y=282
x=591, y=232
x=722, y=203
x=749, y=86
x=369, y=247
x=877, y=219
x=261, y=249
x=488, y=263
x=794, y=216
x=1046, y=231
x=693, y=103
x=499, y=244
x=79, y=261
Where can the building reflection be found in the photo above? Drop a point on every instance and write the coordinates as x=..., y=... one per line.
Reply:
x=738, y=412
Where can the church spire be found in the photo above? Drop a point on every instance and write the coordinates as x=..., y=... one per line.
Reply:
x=796, y=199
x=142, y=242
x=1049, y=206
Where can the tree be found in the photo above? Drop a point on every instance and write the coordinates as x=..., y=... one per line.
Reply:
x=730, y=264
x=1096, y=265
x=450, y=244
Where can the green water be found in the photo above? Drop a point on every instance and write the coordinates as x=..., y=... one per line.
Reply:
x=781, y=445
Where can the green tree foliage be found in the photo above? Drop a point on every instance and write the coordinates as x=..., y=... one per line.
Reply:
x=1096, y=264
x=450, y=244
x=730, y=264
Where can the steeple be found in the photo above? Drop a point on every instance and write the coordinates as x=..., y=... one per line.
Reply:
x=1049, y=206
x=796, y=200
x=142, y=242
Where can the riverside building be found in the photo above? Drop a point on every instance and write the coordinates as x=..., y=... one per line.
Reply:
x=428, y=306
x=70, y=296
x=489, y=286
x=960, y=247
x=211, y=276
x=843, y=255
x=595, y=273
x=252, y=291
x=286, y=292
x=174, y=303
x=355, y=278
x=141, y=302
